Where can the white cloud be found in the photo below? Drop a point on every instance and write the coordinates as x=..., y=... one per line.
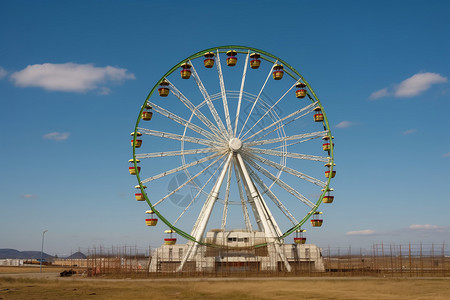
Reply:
x=361, y=232
x=427, y=227
x=3, y=72
x=69, y=77
x=411, y=86
x=410, y=131
x=417, y=84
x=345, y=124
x=378, y=94
x=29, y=196
x=57, y=136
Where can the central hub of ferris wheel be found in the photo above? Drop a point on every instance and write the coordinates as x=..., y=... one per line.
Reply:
x=235, y=144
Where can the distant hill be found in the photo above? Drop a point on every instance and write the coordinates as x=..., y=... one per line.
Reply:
x=77, y=255
x=13, y=253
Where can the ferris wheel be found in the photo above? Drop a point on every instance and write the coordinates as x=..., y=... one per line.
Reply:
x=233, y=137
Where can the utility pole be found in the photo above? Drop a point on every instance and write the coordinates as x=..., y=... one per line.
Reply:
x=42, y=250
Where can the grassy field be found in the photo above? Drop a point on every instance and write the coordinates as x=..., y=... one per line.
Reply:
x=15, y=287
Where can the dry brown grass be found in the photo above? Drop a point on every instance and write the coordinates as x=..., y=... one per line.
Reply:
x=30, y=269
x=277, y=288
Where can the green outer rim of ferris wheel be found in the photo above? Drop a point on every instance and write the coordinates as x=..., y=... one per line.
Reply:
x=291, y=72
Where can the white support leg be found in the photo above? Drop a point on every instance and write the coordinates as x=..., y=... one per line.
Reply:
x=202, y=221
x=269, y=224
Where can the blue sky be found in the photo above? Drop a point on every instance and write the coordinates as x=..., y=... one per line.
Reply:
x=73, y=76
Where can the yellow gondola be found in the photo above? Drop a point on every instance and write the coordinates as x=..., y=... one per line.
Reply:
x=138, y=141
x=318, y=116
x=152, y=221
x=301, y=92
x=316, y=221
x=255, y=62
x=139, y=196
x=328, y=198
x=278, y=72
x=164, y=90
x=170, y=240
x=326, y=145
x=232, y=59
x=132, y=169
x=185, y=71
x=209, y=60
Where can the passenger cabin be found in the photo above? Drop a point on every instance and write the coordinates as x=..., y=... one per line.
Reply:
x=255, y=62
x=138, y=140
x=318, y=115
x=186, y=71
x=328, y=198
x=139, y=196
x=278, y=72
x=151, y=221
x=299, y=236
x=147, y=114
x=132, y=169
x=301, y=92
x=330, y=173
x=170, y=240
x=326, y=144
x=232, y=59
x=316, y=221
x=164, y=88
x=209, y=60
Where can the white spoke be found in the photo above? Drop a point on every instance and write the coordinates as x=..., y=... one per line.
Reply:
x=175, y=153
x=183, y=122
x=187, y=181
x=194, y=110
x=266, y=190
x=248, y=224
x=198, y=193
x=178, y=137
x=268, y=111
x=288, y=154
x=288, y=170
x=208, y=100
x=257, y=98
x=224, y=95
x=227, y=195
x=181, y=168
x=291, y=144
x=241, y=91
x=288, y=138
x=309, y=108
x=281, y=183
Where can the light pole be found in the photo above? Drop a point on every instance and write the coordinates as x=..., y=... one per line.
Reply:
x=42, y=250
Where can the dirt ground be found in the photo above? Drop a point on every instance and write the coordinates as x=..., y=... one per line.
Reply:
x=29, y=284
